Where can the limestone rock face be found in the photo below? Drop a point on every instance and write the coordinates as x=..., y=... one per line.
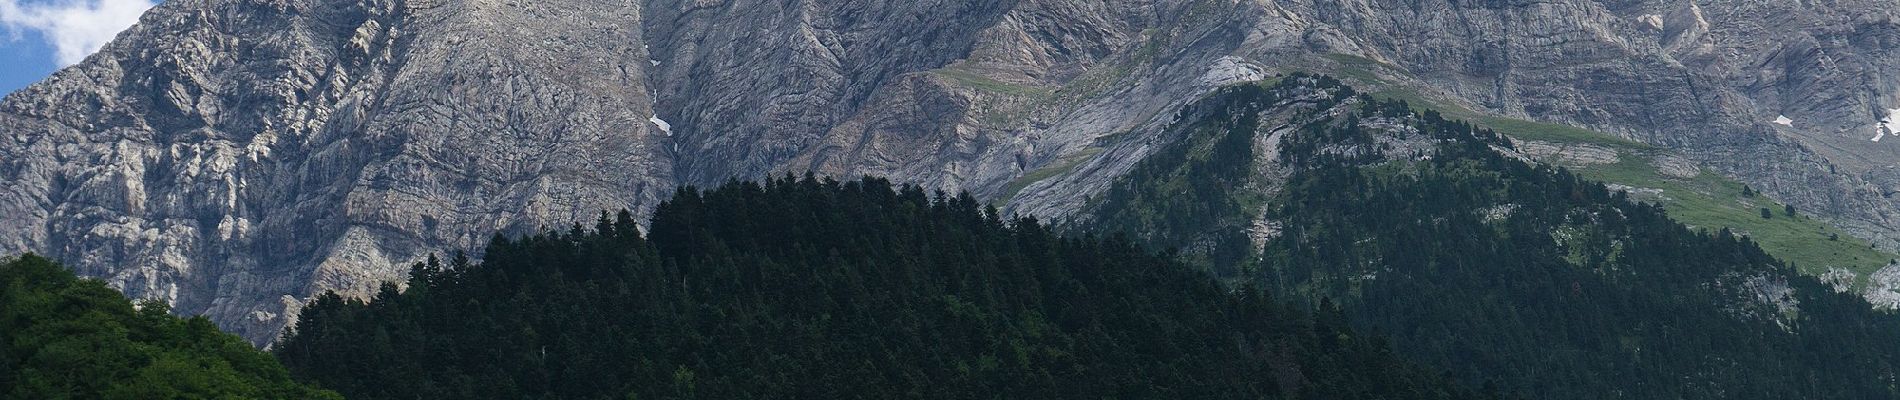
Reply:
x=235, y=157
x=1707, y=78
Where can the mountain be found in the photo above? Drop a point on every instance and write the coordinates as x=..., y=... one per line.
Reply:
x=814, y=288
x=1472, y=259
x=234, y=158
x=1410, y=238
x=63, y=337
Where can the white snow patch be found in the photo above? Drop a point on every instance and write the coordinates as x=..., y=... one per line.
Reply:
x=1784, y=121
x=664, y=127
x=1889, y=125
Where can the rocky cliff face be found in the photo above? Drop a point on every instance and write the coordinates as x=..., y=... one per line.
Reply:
x=234, y=157
x=237, y=156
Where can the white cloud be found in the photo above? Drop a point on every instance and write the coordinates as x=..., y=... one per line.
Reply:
x=74, y=28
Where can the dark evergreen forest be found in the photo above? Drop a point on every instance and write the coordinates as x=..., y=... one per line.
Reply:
x=1371, y=251
x=806, y=288
x=1507, y=274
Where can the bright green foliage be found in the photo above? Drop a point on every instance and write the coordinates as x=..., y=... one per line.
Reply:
x=71, y=338
x=1710, y=201
x=802, y=288
x=1536, y=280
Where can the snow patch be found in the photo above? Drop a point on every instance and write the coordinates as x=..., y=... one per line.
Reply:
x=1784, y=121
x=1889, y=125
x=664, y=127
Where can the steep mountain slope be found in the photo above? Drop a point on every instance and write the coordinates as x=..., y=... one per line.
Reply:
x=236, y=156
x=232, y=157
x=1476, y=261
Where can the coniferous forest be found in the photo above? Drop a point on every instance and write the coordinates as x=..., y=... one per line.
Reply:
x=805, y=288
x=1504, y=273
x=1373, y=251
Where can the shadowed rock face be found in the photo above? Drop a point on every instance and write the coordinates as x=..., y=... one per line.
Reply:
x=237, y=156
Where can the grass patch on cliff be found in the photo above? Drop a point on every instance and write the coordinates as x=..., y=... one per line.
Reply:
x=1513, y=127
x=978, y=81
x=1711, y=201
x=1359, y=68
x=1707, y=201
x=1054, y=169
x=1365, y=70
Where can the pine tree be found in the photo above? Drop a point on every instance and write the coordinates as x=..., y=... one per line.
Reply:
x=814, y=288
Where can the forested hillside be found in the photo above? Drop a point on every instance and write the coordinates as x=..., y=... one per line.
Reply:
x=70, y=338
x=804, y=288
x=1358, y=249
x=1501, y=271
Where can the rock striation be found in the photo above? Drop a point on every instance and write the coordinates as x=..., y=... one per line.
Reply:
x=235, y=157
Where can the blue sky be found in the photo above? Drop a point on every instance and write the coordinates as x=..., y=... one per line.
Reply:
x=38, y=37
x=28, y=59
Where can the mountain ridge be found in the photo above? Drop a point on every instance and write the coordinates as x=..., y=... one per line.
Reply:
x=235, y=157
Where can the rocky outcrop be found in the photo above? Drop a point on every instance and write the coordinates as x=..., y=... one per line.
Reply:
x=1568, y=154
x=237, y=156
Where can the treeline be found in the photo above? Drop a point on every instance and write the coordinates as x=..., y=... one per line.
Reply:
x=807, y=288
x=70, y=338
x=1506, y=276
x=1528, y=278
x=1555, y=285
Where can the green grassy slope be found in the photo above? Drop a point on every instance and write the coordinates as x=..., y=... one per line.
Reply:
x=1708, y=200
